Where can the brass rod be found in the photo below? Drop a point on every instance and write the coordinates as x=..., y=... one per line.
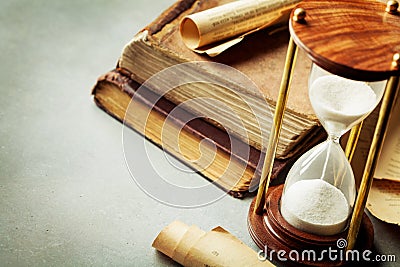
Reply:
x=352, y=141
x=373, y=154
x=276, y=126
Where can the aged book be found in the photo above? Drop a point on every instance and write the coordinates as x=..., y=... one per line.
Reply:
x=260, y=57
x=113, y=93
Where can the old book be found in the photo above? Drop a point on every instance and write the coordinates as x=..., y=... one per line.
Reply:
x=260, y=57
x=113, y=93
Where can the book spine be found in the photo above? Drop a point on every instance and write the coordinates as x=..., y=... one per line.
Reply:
x=169, y=15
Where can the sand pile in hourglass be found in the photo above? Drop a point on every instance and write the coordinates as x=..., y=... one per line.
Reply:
x=339, y=102
x=312, y=204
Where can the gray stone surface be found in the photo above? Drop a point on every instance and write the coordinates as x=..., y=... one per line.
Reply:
x=66, y=195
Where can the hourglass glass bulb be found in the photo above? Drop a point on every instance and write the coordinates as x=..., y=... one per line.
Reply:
x=340, y=103
x=319, y=191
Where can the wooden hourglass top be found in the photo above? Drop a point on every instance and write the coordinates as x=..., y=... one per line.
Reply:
x=356, y=39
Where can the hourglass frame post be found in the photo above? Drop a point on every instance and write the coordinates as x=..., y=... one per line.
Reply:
x=352, y=141
x=388, y=100
x=276, y=126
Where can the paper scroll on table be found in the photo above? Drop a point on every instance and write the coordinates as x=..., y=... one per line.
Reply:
x=215, y=30
x=191, y=246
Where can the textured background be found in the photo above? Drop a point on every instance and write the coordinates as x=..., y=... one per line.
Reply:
x=66, y=196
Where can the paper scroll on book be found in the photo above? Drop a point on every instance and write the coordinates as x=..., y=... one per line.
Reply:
x=191, y=246
x=214, y=30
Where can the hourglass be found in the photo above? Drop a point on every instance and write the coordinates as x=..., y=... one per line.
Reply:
x=319, y=191
x=354, y=47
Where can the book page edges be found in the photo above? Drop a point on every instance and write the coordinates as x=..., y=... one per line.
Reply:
x=113, y=94
x=297, y=124
x=157, y=33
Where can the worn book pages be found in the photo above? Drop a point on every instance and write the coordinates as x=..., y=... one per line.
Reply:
x=113, y=93
x=191, y=246
x=261, y=58
x=384, y=201
x=389, y=161
x=214, y=30
x=384, y=197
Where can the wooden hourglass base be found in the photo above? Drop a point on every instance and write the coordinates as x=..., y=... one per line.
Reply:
x=293, y=247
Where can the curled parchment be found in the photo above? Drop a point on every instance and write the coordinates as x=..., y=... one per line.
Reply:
x=215, y=30
x=191, y=246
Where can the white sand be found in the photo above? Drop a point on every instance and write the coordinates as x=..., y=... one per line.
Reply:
x=341, y=100
x=315, y=206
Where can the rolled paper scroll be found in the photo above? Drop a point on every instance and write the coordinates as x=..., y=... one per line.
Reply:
x=191, y=246
x=203, y=31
